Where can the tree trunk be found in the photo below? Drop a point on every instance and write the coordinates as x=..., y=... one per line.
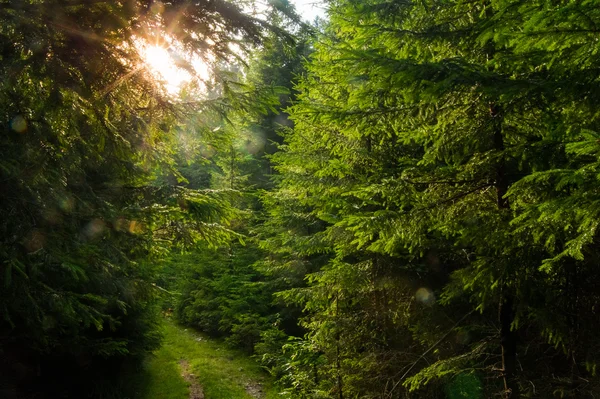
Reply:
x=338, y=363
x=508, y=338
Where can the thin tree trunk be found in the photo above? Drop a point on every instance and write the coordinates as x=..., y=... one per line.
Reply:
x=339, y=366
x=508, y=338
x=337, y=349
x=232, y=176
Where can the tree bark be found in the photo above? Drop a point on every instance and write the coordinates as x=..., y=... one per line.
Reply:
x=338, y=363
x=508, y=338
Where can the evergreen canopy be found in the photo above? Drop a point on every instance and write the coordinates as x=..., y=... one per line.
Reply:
x=450, y=148
x=86, y=132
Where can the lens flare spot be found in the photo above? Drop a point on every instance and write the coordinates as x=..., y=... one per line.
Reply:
x=465, y=386
x=425, y=296
x=135, y=227
x=66, y=204
x=157, y=8
x=121, y=224
x=94, y=228
x=283, y=120
x=48, y=322
x=18, y=124
x=463, y=337
x=183, y=204
x=256, y=143
x=52, y=216
x=35, y=241
x=207, y=152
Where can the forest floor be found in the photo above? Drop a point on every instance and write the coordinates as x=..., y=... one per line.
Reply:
x=190, y=365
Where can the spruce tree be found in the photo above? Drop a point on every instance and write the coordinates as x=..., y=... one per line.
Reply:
x=442, y=144
x=86, y=131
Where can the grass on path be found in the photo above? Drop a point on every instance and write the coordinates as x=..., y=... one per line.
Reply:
x=223, y=373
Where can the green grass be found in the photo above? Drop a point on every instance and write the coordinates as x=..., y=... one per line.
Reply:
x=164, y=377
x=223, y=373
x=159, y=377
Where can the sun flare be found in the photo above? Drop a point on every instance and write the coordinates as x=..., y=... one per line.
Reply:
x=170, y=68
x=163, y=67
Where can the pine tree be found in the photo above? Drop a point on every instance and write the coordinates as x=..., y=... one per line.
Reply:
x=226, y=292
x=431, y=140
x=86, y=131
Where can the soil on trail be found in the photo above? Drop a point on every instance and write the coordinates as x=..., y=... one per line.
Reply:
x=206, y=369
x=254, y=389
x=196, y=391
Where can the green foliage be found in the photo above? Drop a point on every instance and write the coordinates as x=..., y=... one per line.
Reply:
x=409, y=210
x=86, y=134
x=436, y=203
x=222, y=295
x=219, y=371
x=223, y=373
x=228, y=291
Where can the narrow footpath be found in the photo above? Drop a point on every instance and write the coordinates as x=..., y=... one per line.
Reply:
x=190, y=365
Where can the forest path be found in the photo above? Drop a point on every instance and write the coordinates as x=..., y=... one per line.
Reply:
x=196, y=391
x=204, y=369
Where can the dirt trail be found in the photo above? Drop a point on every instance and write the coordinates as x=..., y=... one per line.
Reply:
x=254, y=389
x=196, y=391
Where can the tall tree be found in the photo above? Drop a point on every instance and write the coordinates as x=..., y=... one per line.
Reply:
x=430, y=140
x=231, y=295
x=86, y=130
